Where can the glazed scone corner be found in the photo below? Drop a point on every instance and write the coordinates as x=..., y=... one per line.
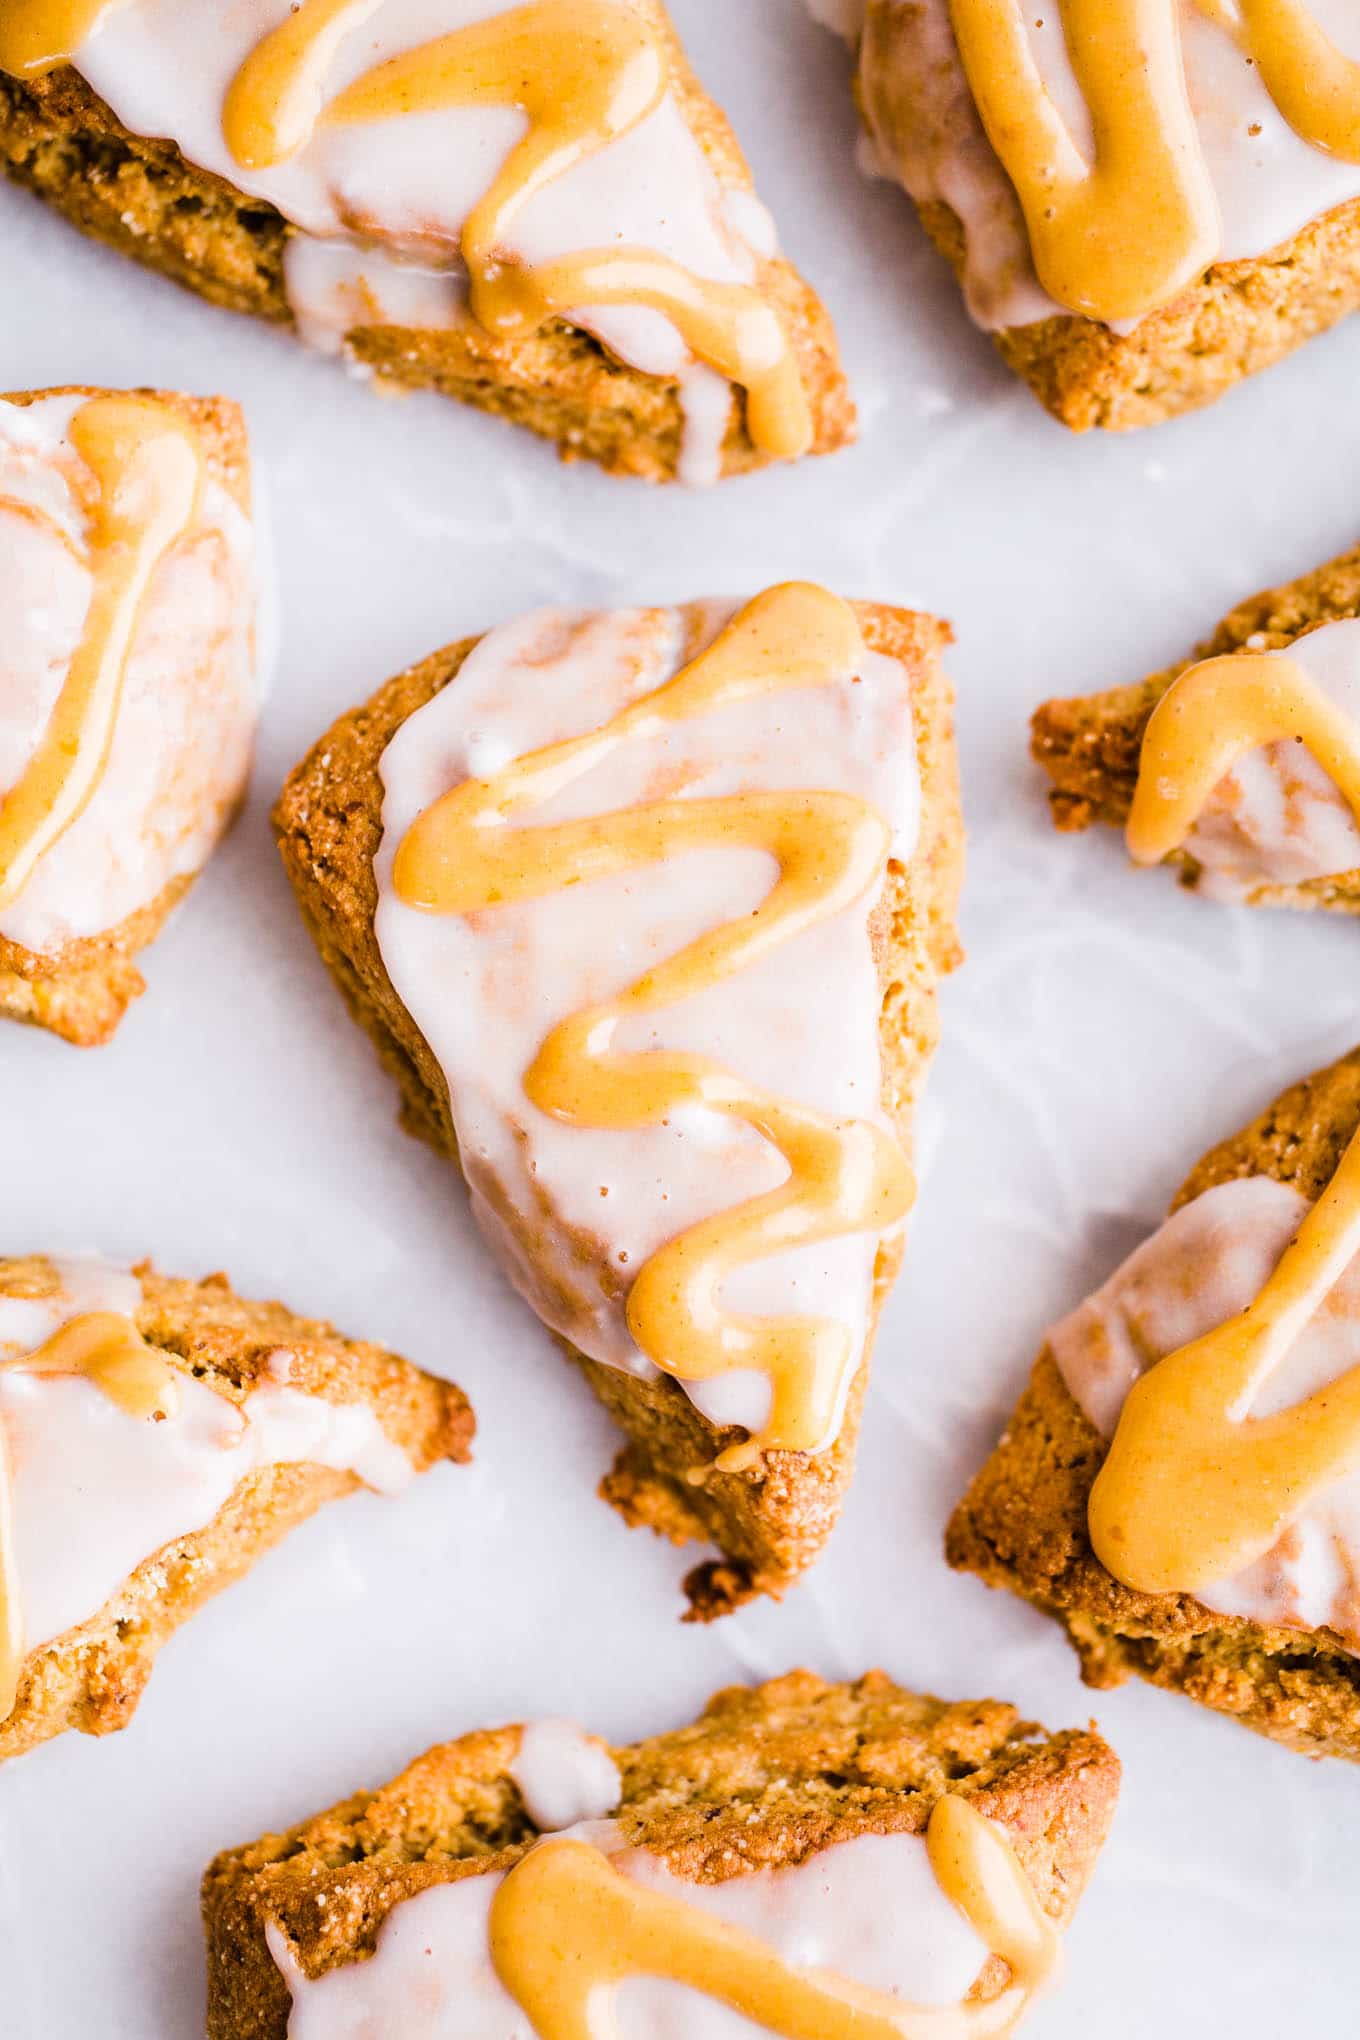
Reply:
x=1276, y=829
x=268, y=226
x=767, y=1779
x=179, y=692
x=364, y=1415
x=771, y=1515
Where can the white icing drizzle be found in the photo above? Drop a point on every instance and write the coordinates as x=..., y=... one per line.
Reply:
x=869, y=1909
x=1277, y=818
x=564, y=1775
x=1269, y=182
x=405, y=187
x=1204, y=1265
x=571, y=1210
x=181, y=746
x=96, y=1492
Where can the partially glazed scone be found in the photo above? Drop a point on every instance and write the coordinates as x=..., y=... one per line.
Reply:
x=1143, y=203
x=645, y=910
x=1239, y=768
x=156, y=1437
x=533, y=208
x=844, y=1860
x=1178, y=1483
x=127, y=683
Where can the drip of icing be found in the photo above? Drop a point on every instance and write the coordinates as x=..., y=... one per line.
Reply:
x=824, y=1948
x=1222, y=770
x=465, y=856
x=108, y=1452
x=590, y=77
x=564, y=1776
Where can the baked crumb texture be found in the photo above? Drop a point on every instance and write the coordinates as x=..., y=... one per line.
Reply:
x=82, y=991
x=1239, y=318
x=142, y=197
x=1090, y=744
x=1022, y=1523
x=769, y=1523
x=91, y=1678
x=768, y=1776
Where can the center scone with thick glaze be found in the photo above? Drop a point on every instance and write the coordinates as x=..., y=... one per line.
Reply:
x=1145, y=200
x=821, y=1862
x=645, y=912
x=528, y=204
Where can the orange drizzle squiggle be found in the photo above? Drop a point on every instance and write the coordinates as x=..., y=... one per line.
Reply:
x=466, y=853
x=567, y=1929
x=108, y=1350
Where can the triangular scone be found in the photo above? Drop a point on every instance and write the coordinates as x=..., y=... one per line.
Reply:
x=1265, y=1652
x=1216, y=236
x=576, y=1213
x=157, y=1436
x=124, y=753
x=1276, y=829
x=627, y=295
x=797, y=1811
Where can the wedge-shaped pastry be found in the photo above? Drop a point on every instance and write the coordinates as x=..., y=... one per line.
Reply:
x=534, y=208
x=127, y=683
x=157, y=1436
x=645, y=914
x=1178, y=1484
x=1242, y=768
x=1144, y=200
x=825, y=1858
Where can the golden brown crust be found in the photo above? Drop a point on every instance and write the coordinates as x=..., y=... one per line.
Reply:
x=82, y=990
x=140, y=195
x=1022, y=1523
x=766, y=1777
x=1240, y=318
x=771, y=1523
x=91, y=1678
x=1090, y=744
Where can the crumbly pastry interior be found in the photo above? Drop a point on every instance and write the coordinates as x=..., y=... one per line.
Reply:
x=800, y=1836
x=127, y=682
x=620, y=1065
x=154, y=1438
x=483, y=181
x=1241, y=769
x=1177, y=1484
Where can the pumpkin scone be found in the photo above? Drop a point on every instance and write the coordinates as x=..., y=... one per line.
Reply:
x=535, y=208
x=1178, y=1483
x=645, y=910
x=844, y=1860
x=1239, y=768
x=156, y=1437
x=1144, y=203
x=127, y=683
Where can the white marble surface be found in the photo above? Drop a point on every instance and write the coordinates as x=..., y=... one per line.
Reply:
x=1104, y=1031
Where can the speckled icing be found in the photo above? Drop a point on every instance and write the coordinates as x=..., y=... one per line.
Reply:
x=182, y=740
x=1204, y=1265
x=95, y=1492
x=1269, y=182
x=869, y=1909
x=398, y=192
x=571, y=1210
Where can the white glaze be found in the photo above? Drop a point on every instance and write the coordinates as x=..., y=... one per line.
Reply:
x=564, y=1775
x=486, y=989
x=407, y=185
x=869, y=1910
x=1277, y=818
x=1269, y=182
x=181, y=745
x=96, y=1492
x=1203, y=1266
